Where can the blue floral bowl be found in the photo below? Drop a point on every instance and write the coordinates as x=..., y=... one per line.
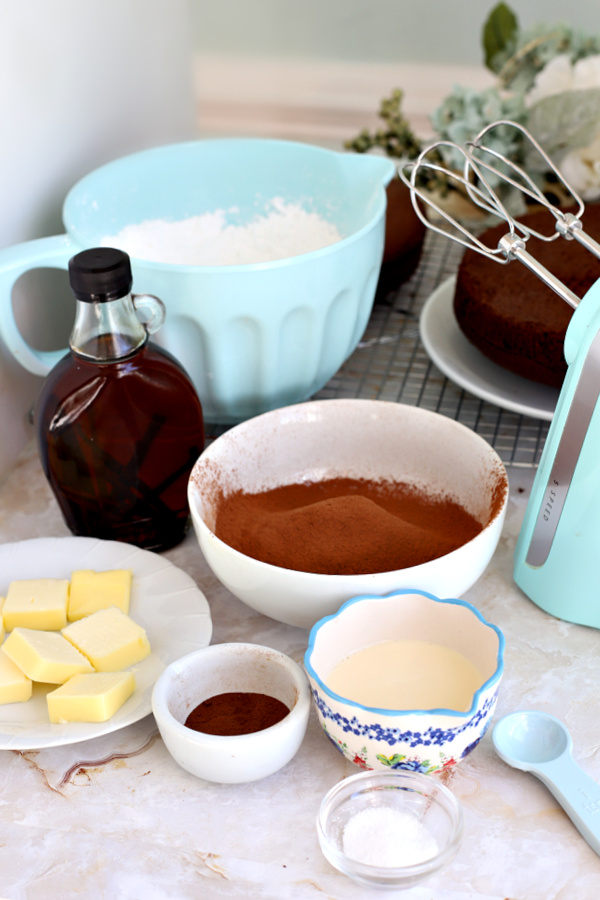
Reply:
x=419, y=740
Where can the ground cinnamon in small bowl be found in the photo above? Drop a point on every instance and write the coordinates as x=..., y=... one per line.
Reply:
x=344, y=526
x=236, y=712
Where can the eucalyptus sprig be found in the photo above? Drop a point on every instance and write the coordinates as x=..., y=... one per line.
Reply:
x=398, y=140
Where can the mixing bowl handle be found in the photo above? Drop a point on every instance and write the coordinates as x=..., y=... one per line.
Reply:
x=52, y=252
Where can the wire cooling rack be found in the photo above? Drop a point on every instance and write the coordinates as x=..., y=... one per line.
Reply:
x=391, y=363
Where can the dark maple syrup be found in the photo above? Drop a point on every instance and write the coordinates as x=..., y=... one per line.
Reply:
x=118, y=436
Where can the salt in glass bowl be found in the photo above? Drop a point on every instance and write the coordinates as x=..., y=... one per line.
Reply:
x=362, y=439
x=422, y=797
x=221, y=668
x=421, y=740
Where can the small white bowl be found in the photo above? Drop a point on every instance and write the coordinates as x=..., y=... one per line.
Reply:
x=368, y=439
x=417, y=740
x=221, y=668
x=423, y=797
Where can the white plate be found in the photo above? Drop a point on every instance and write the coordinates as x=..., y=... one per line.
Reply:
x=164, y=600
x=460, y=361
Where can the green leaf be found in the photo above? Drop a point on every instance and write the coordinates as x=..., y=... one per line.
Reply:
x=499, y=36
x=564, y=122
x=390, y=760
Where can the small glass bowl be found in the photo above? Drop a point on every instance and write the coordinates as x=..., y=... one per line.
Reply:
x=423, y=796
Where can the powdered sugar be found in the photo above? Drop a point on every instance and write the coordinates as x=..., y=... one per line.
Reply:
x=286, y=229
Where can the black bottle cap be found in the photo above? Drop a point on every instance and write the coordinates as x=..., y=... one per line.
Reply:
x=100, y=274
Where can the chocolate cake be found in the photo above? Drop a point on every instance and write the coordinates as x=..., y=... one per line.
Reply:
x=509, y=314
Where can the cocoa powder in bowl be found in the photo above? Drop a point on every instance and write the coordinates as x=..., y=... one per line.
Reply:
x=345, y=526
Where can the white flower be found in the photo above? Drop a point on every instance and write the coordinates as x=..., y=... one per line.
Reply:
x=560, y=75
x=581, y=169
x=586, y=73
x=554, y=78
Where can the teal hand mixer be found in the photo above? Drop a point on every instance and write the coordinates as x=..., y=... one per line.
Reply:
x=557, y=556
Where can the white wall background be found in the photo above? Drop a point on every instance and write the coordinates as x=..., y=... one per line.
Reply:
x=378, y=31
x=81, y=82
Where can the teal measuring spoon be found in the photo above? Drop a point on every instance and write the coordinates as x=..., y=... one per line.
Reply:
x=536, y=742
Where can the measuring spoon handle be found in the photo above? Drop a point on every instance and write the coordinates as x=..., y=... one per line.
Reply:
x=577, y=793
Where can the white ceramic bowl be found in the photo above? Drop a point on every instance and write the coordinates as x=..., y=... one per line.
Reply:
x=359, y=439
x=221, y=668
x=422, y=797
x=422, y=740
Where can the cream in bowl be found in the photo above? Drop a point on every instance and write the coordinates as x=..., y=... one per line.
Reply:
x=405, y=681
x=232, y=713
x=304, y=507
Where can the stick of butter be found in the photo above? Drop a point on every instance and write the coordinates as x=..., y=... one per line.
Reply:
x=44, y=655
x=91, y=591
x=15, y=687
x=110, y=639
x=90, y=698
x=39, y=603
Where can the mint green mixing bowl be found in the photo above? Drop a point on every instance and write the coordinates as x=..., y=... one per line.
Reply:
x=253, y=337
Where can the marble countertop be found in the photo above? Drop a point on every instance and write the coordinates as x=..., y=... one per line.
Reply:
x=116, y=818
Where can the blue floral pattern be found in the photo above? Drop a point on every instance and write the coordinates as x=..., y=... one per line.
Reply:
x=439, y=739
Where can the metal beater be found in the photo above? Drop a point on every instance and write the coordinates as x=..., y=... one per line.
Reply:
x=557, y=557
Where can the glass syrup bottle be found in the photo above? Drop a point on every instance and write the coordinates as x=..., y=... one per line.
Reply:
x=118, y=422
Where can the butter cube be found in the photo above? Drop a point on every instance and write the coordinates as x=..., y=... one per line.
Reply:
x=39, y=603
x=44, y=655
x=91, y=591
x=90, y=698
x=15, y=687
x=110, y=639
